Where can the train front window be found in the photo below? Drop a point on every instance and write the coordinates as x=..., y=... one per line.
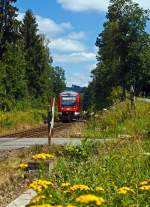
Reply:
x=69, y=101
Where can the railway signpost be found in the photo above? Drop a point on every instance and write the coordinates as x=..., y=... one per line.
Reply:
x=51, y=117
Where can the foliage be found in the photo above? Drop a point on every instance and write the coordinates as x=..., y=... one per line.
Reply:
x=123, y=58
x=9, y=25
x=80, y=152
x=27, y=74
x=100, y=173
x=116, y=175
x=20, y=120
x=38, y=63
x=117, y=121
x=58, y=80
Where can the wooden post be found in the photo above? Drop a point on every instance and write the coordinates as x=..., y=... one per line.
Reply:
x=51, y=116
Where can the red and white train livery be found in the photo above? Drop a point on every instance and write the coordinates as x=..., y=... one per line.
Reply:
x=69, y=106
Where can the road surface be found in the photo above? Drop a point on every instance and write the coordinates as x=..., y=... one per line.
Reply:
x=18, y=143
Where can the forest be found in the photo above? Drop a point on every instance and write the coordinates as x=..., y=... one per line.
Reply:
x=123, y=57
x=27, y=75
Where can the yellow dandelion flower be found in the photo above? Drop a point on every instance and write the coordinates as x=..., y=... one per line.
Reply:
x=70, y=205
x=23, y=166
x=38, y=198
x=76, y=188
x=144, y=187
x=99, y=189
x=86, y=199
x=79, y=187
x=124, y=190
x=42, y=156
x=39, y=185
x=145, y=182
x=65, y=185
x=58, y=206
x=43, y=205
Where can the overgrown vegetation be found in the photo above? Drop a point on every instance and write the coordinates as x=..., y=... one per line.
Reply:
x=20, y=120
x=119, y=122
x=95, y=173
x=110, y=174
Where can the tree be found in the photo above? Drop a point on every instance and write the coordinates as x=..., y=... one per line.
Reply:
x=8, y=24
x=38, y=59
x=58, y=79
x=14, y=67
x=120, y=49
x=13, y=80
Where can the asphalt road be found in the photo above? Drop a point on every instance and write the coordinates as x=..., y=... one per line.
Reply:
x=18, y=143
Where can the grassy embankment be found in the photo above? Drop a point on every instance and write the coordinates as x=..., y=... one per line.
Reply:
x=112, y=174
x=20, y=120
x=117, y=122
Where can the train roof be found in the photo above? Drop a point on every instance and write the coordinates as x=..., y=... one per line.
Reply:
x=69, y=93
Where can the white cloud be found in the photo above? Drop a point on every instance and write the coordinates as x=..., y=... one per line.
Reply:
x=20, y=16
x=97, y=5
x=77, y=35
x=84, y=5
x=48, y=26
x=66, y=25
x=66, y=45
x=92, y=66
x=77, y=57
x=81, y=79
x=144, y=3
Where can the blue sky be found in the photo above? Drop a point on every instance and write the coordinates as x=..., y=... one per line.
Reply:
x=72, y=27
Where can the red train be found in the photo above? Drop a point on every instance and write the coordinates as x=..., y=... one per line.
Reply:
x=69, y=106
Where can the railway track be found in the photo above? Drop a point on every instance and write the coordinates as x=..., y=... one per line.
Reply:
x=37, y=132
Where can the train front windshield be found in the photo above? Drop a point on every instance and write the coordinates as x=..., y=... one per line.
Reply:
x=69, y=101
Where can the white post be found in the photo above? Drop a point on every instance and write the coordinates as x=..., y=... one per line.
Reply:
x=50, y=134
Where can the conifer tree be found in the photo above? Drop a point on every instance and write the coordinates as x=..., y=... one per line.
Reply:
x=8, y=24
x=15, y=66
x=38, y=59
x=13, y=80
x=121, y=46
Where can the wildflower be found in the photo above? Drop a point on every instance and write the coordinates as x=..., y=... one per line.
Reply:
x=145, y=187
x=70, y=205
x=23, y=166
x=39, y=185
x=42, y=156
x=65, y=185
x=124, y=190
x=99, y=189
x=145, y=182
x=43, y=205
x=86, y=199
x=77, y=187
x=38, y=198
x=58, y=206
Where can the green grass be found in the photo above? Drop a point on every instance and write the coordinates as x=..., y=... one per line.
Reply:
x=118, y=122
x=19, y=120
x=110, y=166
